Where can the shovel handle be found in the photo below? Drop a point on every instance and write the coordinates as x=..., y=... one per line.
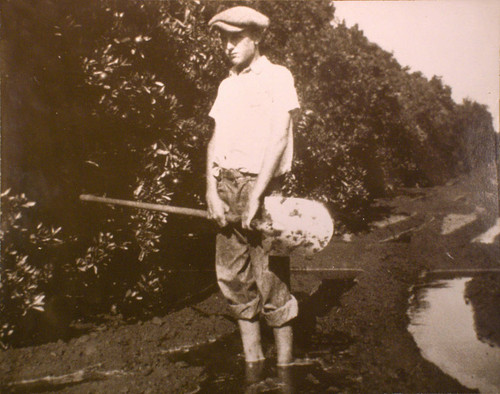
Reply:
x=145, y=205
x=231, y=218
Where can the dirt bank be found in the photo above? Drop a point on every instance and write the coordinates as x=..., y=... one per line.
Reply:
x=484, y=294
x=358, y=328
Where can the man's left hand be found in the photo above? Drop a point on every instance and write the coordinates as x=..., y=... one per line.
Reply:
x=250, y=212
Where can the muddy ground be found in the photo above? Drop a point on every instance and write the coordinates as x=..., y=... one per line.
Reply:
x=354, y=326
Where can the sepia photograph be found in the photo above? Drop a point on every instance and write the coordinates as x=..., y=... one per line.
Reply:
x=249, y=196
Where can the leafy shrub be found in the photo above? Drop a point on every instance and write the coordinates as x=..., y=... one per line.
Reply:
x=26, y=266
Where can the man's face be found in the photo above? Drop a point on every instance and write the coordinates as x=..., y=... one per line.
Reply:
x=240, y=47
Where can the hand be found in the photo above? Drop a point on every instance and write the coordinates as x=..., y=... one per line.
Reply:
x=250, y=212
x=217, y=209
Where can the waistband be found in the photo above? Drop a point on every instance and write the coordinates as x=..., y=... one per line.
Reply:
x=233, y=174
x=238, y=176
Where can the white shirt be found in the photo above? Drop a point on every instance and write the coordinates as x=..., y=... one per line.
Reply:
x=243, y=112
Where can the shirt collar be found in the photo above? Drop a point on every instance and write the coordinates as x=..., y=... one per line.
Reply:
x=256, y=67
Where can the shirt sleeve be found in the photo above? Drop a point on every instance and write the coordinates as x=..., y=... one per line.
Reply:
x=218, y=103
x=285, y=96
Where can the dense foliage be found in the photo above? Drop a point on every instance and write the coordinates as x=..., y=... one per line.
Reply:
x=111, y=97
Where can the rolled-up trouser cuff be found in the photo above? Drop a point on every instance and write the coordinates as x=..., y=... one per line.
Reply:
x=247, y=311
x=244, y=273
x=282, y=315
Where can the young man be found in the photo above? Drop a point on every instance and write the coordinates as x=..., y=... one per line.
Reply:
x=250, y=150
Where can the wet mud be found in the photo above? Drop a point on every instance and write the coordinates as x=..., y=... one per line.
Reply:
x=226, y=370
x=352, y=322
x=484, y=294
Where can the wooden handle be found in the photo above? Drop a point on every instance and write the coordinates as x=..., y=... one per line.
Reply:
x=144, y=205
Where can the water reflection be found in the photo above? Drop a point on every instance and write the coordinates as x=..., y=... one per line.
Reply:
x=227, y=372
x=442, y=325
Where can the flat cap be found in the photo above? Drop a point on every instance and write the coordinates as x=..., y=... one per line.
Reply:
x=239, y=18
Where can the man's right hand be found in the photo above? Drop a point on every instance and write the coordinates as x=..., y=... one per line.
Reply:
x=217, y=209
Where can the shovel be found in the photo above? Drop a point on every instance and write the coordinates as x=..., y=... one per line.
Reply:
x=289, y=225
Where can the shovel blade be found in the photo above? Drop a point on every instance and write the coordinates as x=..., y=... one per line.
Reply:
x=295, y=226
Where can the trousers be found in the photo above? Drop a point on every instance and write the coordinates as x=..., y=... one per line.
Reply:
x=253, y=282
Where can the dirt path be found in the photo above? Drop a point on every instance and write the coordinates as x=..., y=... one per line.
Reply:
x=358, y=327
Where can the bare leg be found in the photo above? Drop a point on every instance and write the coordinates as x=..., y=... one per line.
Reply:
x=284, y=344
x=250, y=336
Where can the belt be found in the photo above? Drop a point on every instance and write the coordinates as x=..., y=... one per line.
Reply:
x=233, y=174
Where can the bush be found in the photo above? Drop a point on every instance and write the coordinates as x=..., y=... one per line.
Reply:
x=26, y=263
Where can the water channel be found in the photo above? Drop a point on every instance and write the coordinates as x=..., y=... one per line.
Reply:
x=447, y=329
